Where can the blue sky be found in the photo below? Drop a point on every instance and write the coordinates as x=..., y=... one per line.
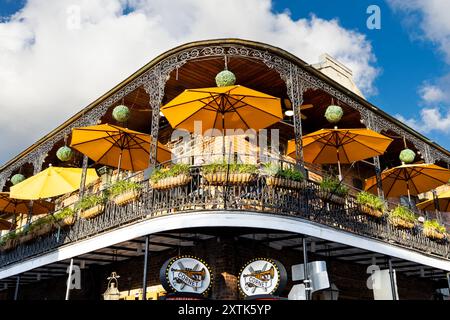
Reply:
x=409, y=77
x=406, y=62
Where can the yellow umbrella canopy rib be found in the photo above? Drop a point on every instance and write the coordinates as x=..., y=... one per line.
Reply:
x=107, y=144
x=16, y=206
x=233, y=107
x=443, y=202
x=328, y=146
x=51, y=182
x=415, y=178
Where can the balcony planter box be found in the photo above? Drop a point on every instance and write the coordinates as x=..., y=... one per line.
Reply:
x=401, y=223
x=126, y=197
x=27, y=237
x=92, y=212
x=171, y=182
x=43, y=229
x=368, y=210
x=65, y=222
x=220, y=178
x=332, y=198
x=9, y=244
x=283, y=183
x=433, y=234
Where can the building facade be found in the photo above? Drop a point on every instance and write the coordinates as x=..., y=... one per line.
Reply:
x=225, y=227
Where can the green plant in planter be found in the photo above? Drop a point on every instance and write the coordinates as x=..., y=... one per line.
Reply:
x=435, y=225
x=370, y=200
x=64, y=213
x=39, y=223
x=242, y=168
x=176, y=170
x=123, y=186
x=90, y=202
x=158, y=174
x=291, y=174
x=179, y=169
x=403, y=213
x=215, y=167
x=333, y=185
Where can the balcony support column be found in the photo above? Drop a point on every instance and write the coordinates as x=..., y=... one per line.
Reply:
x=16, y=291
x=391, y=277
x=306, y=280
x=155, y=89
x=144, y=276
x=295, y=92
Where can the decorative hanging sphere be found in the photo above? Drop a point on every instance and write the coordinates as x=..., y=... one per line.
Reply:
x=225, y=78
x=64, y=153
x=334, y=114
x=17, y=178
x=121, y=113
x=407, y=156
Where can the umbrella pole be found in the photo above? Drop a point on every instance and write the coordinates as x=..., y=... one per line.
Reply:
x=223, y=136
x=339, y=164
x=119, y=165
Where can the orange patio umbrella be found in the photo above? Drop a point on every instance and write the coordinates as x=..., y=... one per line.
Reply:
x=328, y=146
x=231, y=107
x=443, y=203
x=116, y=146
x=16, y=206
x=6, y=225
x=409, y=179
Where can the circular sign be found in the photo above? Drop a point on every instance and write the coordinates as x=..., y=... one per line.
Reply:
x=186, y=274
x=262, y=276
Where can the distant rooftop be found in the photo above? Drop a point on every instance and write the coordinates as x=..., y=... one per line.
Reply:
x=338, y=72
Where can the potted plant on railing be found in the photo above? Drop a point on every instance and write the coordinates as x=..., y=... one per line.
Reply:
x=278, y=177
x=238, y=173
x=64, y=217
x=402, y=217
x=434, y=230
x=332, y=190
x=41, y=226
x=370, y=204
x=166, y=178
x=9, y=240
x=125, y=191
x=91, y=206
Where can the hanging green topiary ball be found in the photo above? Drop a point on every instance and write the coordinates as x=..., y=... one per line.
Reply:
x=121, y=113
x=64, y=153
x=225, y=78
x=17, y=178
x=407, y=156
x=334, y=114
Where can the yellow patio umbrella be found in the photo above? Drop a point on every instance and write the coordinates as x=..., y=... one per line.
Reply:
x=51, y=182
x=17, y=206
x=443, y=203
x=328, y=146
x=409, y=179
x=6, y=225
x=232, y=107
x=116, y=146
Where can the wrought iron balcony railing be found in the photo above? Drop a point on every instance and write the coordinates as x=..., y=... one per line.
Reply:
x=256, y=193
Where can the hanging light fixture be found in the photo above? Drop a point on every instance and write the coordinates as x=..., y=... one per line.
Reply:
x=112, y=292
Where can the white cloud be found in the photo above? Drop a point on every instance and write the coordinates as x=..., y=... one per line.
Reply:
x=429, y=120
x=428, y=20
x=431, y=93
x=50, y=68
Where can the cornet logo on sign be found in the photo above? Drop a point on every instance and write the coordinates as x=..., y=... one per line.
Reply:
x=262, y=276
x=186, y=274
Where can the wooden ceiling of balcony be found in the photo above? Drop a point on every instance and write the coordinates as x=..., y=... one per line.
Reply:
x=250, y=73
